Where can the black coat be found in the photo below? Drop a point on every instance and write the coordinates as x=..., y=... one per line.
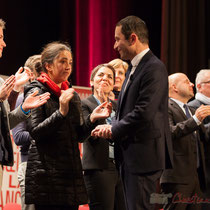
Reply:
x=54, y=172
x=95, y=150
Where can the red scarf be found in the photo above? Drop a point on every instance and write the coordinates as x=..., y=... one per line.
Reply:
x=45, y=79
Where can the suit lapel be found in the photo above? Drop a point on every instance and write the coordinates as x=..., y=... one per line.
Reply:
x=141, y=64
x=123, y=87
x=177, y=107
x=93, y=102
x=138, y=69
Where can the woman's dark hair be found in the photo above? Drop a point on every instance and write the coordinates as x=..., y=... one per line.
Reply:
x=96, y=69
x=51, y=51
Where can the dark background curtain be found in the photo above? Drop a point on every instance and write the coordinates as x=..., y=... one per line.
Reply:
x=88, y=26
x=185, y=36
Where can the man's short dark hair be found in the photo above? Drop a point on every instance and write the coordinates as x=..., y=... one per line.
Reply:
x=133, y=24
x=2, y=24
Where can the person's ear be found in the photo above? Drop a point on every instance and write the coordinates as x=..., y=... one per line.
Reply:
x=48, y=67
x=91, y=83
x=132, y=38
x=174, y=88
x=198, y=86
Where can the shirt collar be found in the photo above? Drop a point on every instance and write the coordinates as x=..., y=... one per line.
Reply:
x=181, y=104
x=136, y=60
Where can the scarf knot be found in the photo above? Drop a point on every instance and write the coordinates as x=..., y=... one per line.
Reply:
x=204, y=99
x=45, y=79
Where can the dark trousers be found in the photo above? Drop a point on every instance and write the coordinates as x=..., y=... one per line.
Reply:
x=206, y=206
x=105, y=189
x=138, y=188
x=181, y=191
x=55, y=207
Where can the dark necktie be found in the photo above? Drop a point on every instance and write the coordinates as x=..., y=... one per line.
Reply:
x=126, y=81
x=187, y=112
x=128, y=75
x=123, y=89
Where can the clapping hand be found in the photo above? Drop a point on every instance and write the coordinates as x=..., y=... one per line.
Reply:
x=101, y=94
x=34, y=100
x=101, y=112
x=22, y=77
x=64, y=99
x=202, y=112
x=102, y=131
x=7, y=87
x=111, y=96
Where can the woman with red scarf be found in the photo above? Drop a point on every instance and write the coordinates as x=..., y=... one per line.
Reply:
x=54, y=179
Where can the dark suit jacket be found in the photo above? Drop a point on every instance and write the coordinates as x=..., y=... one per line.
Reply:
x=184, y=146
x=196, y=104
x=95, y=151
x=8, y=120
x=141, y=131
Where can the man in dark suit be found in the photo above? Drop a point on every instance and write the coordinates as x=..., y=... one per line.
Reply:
x=187, y=177
x=202, y=97
x=141, y=131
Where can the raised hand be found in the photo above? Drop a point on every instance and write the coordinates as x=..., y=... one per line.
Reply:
x=111, y=96
x=22, y=77
x=103, y=97
x=202, y=112
x=34, y=100
x=102, y=131
x=7, y=87
x=101, y=112
x=64, y=99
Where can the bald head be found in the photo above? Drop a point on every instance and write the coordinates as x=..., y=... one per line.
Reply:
x=174, y=78
x=180, y=87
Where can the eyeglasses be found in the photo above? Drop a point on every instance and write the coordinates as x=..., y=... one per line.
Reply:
x=207, y=82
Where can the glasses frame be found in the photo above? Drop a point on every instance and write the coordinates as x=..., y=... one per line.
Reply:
x=207, y=82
